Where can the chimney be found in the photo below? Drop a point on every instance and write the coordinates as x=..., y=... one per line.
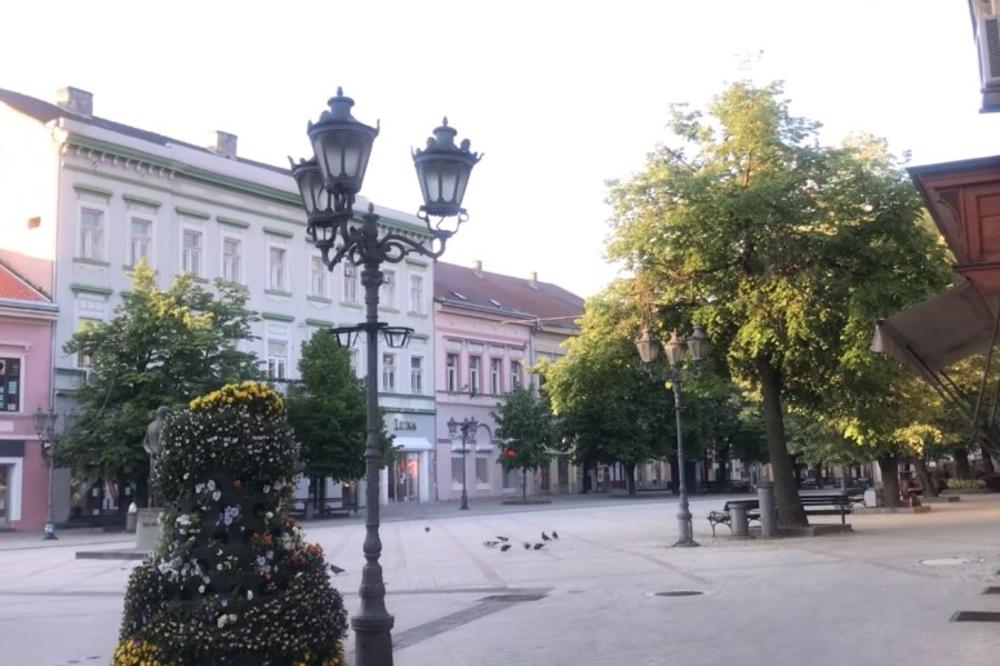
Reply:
x=222, y=144
x=534, y=280
x=477, y=268
x=76, y=100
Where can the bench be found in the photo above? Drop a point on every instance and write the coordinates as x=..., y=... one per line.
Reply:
x=332, y=506
x=725, y=517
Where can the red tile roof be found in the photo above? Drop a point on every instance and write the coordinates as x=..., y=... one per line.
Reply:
x=518, y=298
x=13, y=287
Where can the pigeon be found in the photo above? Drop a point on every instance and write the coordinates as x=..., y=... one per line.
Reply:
x=336, y=570
x=504, y=548
x=503, y=538
x=555, y=535
x=539, y=546
x=427, y=529
x=545, y=537
x=490, y=544
x=527, y=545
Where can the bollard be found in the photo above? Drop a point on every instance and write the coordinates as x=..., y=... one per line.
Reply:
x=738, y=520
x=131, y=517
x=768, y=510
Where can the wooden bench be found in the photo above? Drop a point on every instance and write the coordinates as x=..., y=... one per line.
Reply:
x=332, y=506
x=813, y=503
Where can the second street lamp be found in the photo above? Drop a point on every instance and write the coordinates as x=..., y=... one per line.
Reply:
x=674, y=349
x=465, y=425
x=45, y=425
x=329, y=183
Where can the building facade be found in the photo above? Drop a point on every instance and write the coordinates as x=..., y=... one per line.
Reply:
x=491, y=329
x=27, y=317
x=92, y=197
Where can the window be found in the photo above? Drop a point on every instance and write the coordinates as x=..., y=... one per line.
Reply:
x=482, y=469
x=515, y=375
x=456, y=471
x=277, y=268
x=10, y=384
x=353, y=355
x=92, y=234
x=388, y=296
x=388, y=372
x=350, y=284
x=232, y=259
x=192, y=250
x=451, y=373
x=277, y=358
x=140, y=241
x=317, y=277
x=85, y=324
x=416, y=374
x=474, y=375
x=495, y=365
x=417, y=294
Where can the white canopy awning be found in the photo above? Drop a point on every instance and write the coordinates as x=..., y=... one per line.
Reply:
x=412, y=443
x=938, y=332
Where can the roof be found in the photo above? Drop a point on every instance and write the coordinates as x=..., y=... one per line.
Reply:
x=44, y=112
x=15, y=288
x=517, y=298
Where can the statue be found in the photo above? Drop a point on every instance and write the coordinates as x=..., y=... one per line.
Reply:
x=151, y=443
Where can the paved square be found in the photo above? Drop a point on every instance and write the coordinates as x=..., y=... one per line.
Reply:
x=588, y=597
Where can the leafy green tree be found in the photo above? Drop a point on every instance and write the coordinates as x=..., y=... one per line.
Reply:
x=327, y=411
x=527, y=432
x=782, y=249
x=160, y=348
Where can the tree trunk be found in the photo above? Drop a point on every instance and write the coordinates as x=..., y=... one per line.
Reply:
x=988, y=468
x=790, y=513
x=524, y=484
x=930, y=490
x=962, y=468
x=818, y=471
x=630, y=478
x=889, y=466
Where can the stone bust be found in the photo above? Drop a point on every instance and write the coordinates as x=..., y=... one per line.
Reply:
x=151, y=443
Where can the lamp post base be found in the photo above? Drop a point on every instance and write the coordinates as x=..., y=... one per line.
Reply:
x=686, y=543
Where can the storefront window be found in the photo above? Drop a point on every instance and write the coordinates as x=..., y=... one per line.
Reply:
x=10, y=384
x=482, y=470
x=456, y=471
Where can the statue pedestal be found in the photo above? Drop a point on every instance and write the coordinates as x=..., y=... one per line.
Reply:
x=148, y=529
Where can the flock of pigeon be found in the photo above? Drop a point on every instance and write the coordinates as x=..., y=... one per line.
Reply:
x=505, y=545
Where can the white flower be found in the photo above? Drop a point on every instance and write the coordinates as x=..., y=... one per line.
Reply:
x=199, y=487
x=267, y=489
x=201, y=589
x=222, y=621
x=249, y=595
x=232, y=617
x=216, y=495
x=187, y=475
x=211, y=484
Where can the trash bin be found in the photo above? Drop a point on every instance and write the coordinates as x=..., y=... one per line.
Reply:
x=738, y=520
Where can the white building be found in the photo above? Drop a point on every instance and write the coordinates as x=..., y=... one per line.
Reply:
x=84, y=198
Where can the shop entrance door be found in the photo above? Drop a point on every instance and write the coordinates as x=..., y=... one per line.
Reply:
x=407, y=477
x=4, y=494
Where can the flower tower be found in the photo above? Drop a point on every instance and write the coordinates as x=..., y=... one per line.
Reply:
x=232, y=581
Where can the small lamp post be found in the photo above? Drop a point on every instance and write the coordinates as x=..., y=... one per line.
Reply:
x=466, y=426
x=45, y=425
x=329, y=182
x=674, y=348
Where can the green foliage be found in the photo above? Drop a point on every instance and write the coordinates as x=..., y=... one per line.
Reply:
x=232, y=581
x=161, y=348
x=966, y=484
x=327, y=411
x=786, y=251
x=526, y=430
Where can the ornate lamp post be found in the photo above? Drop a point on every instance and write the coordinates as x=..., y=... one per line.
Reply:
x=329, y=182
x=674, y=349
x=466, y=425
x=45, y=425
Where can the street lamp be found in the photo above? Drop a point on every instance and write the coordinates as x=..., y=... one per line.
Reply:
x=45, y=425
x=466, y=425
x=329, y=183
x=674, y=348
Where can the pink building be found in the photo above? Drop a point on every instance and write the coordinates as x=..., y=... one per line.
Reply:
x=26, y=320
x=490, y=329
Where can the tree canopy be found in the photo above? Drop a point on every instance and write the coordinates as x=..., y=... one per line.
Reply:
x=160, y=348
x=786, y=251
x=526, y=430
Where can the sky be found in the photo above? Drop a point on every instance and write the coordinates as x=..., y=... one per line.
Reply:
x=560, y=96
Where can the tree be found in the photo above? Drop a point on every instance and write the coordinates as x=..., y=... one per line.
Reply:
x=327, y=411
x=160, y=348
x=527, y=433
x=775, y=244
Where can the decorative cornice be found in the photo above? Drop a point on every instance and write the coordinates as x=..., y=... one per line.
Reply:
x=230, y=222
x=190, y=212
x=77, y=288
x=322, y=323
x=276, y=316
x=90, y=189
x=319, y=299
x=278, y=232
x=143, y=201
x=91, y=262
x=278, y=292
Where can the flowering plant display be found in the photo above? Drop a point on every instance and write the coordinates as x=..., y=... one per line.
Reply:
x=233, y=581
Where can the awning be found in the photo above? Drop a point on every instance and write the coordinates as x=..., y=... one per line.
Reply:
x=412, y=443
x=938, y=332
